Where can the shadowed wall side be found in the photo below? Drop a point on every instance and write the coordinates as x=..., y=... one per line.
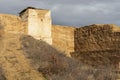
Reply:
x=97, y=45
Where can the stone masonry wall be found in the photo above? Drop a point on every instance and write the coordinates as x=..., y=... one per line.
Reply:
x=63, y=38
x=88, y=38
x=97, y=37
x=11, y=23
x=98, y=44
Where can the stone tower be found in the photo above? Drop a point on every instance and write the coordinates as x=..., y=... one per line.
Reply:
x=38, y=23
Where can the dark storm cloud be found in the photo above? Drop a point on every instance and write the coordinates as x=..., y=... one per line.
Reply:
x=70, y=12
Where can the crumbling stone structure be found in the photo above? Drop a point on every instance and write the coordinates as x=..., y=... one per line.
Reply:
x=37, y=23
x=97, y=44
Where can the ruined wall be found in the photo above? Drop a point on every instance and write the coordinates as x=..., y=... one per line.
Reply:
x=11, y=23
x=63, y=38
x=98, y=44
x=96, y=37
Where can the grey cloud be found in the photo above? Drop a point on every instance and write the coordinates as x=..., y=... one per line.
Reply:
x=70, y=12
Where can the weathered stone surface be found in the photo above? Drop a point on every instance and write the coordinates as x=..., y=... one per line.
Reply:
x=98, y=44
x=39, y=23
x=63, y=38
x=96, y=37
x=9, y=22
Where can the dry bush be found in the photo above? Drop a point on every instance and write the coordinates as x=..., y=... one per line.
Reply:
x=56, y=66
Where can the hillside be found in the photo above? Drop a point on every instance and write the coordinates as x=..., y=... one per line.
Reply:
x=24, y=58
x=56, y=66
x=13, y=63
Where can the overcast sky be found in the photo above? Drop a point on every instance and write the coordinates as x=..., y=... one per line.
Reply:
x=70, y=12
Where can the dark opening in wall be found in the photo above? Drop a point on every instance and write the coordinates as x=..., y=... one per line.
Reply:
x=42, y=20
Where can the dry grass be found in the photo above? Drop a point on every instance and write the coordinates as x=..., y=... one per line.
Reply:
x=56, y=66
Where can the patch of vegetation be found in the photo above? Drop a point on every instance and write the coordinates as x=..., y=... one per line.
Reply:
x=56, y=66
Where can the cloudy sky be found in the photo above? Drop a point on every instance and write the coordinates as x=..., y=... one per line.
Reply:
x=70, y=12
